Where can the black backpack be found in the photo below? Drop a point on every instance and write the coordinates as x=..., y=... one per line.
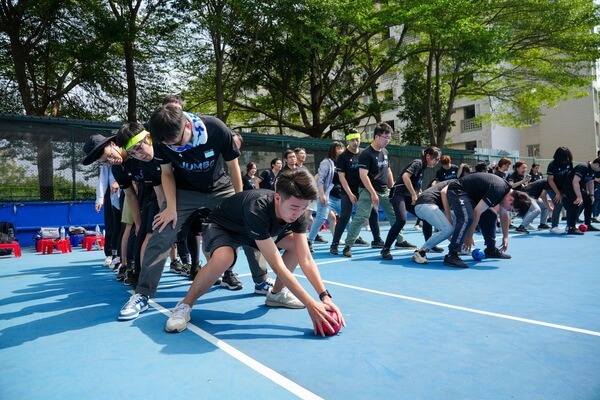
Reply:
x=7, y=235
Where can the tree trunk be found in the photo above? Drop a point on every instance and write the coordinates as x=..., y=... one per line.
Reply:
x=131, y=82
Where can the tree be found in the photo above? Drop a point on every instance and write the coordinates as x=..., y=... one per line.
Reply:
x=313, y=62
x=51, y=46
x=520, y=55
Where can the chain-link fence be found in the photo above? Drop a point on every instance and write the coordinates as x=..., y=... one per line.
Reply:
x=40, y=158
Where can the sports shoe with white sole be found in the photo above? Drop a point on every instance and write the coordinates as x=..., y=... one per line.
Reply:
x=137, y=304
x=557, y=231
x=107, y=261
x=284, y=298
x=179, y=318
x=420, y=257
x=264, y=287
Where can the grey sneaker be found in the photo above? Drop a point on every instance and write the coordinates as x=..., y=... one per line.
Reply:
x=284, y=298
x=360, y=242
x=179, y=318
x=377, y=244
x=176, y=267
x=347, y=251
x=405, y=245
x=453, y=260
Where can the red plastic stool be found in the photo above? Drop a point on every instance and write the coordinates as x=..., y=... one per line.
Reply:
x=64, y=245
x=14, y=246
x=88, y=242
x=45, y=246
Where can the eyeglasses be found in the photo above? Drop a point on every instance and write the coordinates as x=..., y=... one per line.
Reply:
x=179, y=146
x=132, y=152
x=110, y=156
x=386, y=137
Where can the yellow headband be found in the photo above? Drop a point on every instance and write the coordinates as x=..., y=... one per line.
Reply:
x=136, y=139
x=353, y=135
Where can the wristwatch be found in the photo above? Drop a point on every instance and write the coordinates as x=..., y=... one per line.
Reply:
x=323, y=294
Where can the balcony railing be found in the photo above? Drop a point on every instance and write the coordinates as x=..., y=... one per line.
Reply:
x=470, y=124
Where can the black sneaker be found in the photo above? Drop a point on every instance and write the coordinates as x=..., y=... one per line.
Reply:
x=521, y=229
x=193, y=271
x=230, y=281
x=121, y=273
x=347, y=251
x=319, y=239
x=333, y=250
x=592, y=228
x=310, y=247
x=436, y=249
x=128, y=279
x=454, y=261
x=377, y=244
x=186, y=269
x=573, y=231
x=542, y=227
x=176, y=267
x=496, y=253
x=386, y=255
x=405, y=245
x=360, y=242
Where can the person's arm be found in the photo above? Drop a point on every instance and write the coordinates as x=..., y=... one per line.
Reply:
x=460, y=170
x=446, y=204
x=577, y=190
x=409, y=186
x=479, y=209
x=344, y=183
x=160, y=195
x=169, y=214
x=134, y=206
x=364, y=178
x=321, y=181
x=316, y=310
x=590, y=190
x=505, y=224
x=236, y=175
x=558, y=194
x=101, y=187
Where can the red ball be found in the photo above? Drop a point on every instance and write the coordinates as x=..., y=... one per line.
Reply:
x=334, y=328
x=583, y=227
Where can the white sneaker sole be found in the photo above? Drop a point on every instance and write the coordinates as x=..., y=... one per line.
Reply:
x=272, y=303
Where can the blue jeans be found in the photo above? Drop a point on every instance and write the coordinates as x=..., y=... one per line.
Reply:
x=436, y=217
x=538, y=207
x=334, y=204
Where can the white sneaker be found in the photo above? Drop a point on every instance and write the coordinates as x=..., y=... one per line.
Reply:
x=107, y=261
x=179, y=318
x=284, y=298
x=418, y=228
x=114, y=264
x=557, y=231
x=420, y=257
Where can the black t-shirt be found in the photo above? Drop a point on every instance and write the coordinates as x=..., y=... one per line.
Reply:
x=535, y=189
x=433, y=194
x=487, y=187
x=267, y=179
x=247, y=183
x=415, y=168
x=202, y=168
x=250, y=216
x=337, y=189
x=378, y=165
x=516, y=177
x=132, y=170
x=536, y=177
x=585, y=174
x=443, y=174
x=559, y=172
x=347, y=163
x=500, y=174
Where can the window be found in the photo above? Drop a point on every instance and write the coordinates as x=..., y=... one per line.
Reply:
x=533, y=150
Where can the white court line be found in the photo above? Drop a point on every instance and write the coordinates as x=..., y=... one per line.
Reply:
x=467, y=309
x=262, y=369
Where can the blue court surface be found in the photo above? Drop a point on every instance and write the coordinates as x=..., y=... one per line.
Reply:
x=525, y=328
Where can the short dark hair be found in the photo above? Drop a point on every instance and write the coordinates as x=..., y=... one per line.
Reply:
x=481, y=166
x=127, y=131
x=250, y=165
x=297, y=183
x=166, y=122
x=172, y=99
x=521, y=202
x=430, y=151
x=563, y=155
x=382, y=128
x=274, y=161
x=287, y=153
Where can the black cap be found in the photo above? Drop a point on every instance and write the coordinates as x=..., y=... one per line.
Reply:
x=94, y=146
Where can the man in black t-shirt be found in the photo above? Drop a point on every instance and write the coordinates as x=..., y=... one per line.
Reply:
x=192, y=151
x=348, y=173
x=375, y=182
x=268, y=221
x=579, y=192
x=477, y=199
